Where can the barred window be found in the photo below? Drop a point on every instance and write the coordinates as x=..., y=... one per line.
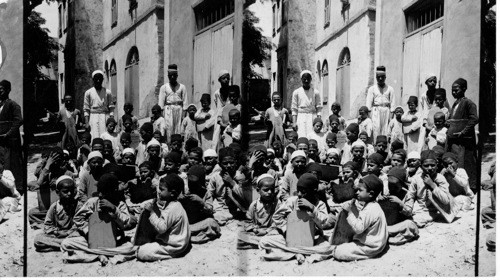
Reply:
x=210, y=12
x=423, y=13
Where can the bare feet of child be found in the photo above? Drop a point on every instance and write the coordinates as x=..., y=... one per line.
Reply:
x=300, y=259
x=103, y=260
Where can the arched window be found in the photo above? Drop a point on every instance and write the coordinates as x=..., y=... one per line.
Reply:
x=113, y=86
x=106, y=71
x=342, y=93
x=132, y=78
x=324, y=75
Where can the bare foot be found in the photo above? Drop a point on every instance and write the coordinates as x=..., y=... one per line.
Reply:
x=300, y=259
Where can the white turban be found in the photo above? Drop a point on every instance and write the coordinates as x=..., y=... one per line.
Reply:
x=153, y=142
x=62, y=178
x=333, y=151
x=97, y=72
x=430, y=75
x=94, y=154
x=264, y=176
x=210, y=153
x=223, y=72
x=298, y=153
x=358, y=143
x=414, y=155
x=128, y=151
x=305, y=72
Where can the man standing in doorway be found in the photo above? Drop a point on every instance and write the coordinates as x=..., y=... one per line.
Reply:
x=173, y=100
x=98, y=105
x=381, y=103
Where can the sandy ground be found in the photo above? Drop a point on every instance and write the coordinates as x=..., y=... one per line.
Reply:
x=11, y=244
x=441, y=250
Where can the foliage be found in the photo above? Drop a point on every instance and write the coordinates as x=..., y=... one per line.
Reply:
x=256, y=47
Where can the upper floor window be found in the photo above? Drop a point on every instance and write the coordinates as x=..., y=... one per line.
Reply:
x=114, y=13
x=284, y=12
x=327, y=13
x=274, y=19
x=423, y=13
x=210, y=13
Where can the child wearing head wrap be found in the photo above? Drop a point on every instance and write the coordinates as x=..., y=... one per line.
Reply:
x=202, y=224
x=159, y=123
x=58, y=222
x=400, y=226
x=367, y=222
x=306, y=105
x=277, y=119
x=365, y=123
x=332, y=156
x=188, y=126
x=395, y=128
x=210, y=162
x=205, y=119
x=146, y=131
x=413, y=165
x=224, y=194
x=430, y=182
x=459, y=182
x=412, y=124
x=111, y=207
x=87, y=183
x=288, y=183
x=306, y=200
x=260, y=213
x=358, y=154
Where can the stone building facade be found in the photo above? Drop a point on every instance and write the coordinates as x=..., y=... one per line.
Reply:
x=344, y=53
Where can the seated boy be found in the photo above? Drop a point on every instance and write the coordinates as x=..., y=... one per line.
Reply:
x=141, y=189
x=367, y=221
x=459, y=182
x=210, y=163
x=288, y=183
x=374, y=165
x=413, y=165
x=202, y=224
x=260, y=213
x=430, y=182
x=224, y=194
x=59, y=219
x=111, y=208
x=398, y=159
x=274, y=243
x=401, y=227
x=169, y=222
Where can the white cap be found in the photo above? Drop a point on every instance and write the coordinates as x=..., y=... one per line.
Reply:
x=97, y=72
x=413, y=155
x=271, y=151
x=223, y=72
x=210, y=153
x=153, y=142
x=128, y=150
x=63, y=177
x=333, y=151
x=305, y=72
x=264, y=176
x=94, y=154
x=298, y=153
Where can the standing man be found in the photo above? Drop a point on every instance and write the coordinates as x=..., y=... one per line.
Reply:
x=98, y=105
x=10, y=138
x=463, y=142
x=173, y=100
x=381, y=103
x=306, y=105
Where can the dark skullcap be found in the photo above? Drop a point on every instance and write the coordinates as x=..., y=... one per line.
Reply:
x=427, y=154
x=293, y=133
x=440, y=91
x=397, y=144
x=336, y=104
x=205, y=97
x=353, y=127
x=148, y=164
x=6, y=85
x=400, y=152
x=173, y=182
x=126, y=136
x=128, y=105
x=439, y=115
x=331, y=136
x=96, y=141
x=236, y=148
x=317, y=120
x=147, y=127
x=260, y=148
x=157, y=107
x=381, y=139
x=313, y=142
x=453, y=156
x=302, y=140
x=107, y=182
x=376, y=158
x=226, y=152
x=353, y=165
x=438, y=151
x=308, y=180
x=198, y=151
x=373, y=183
x=398, y=172
x=191, y=143
x=112, y=168
x=86, y=135
x=413, y=99
x=363, y=108
x=234, y=113
x=275, y=94
x=174, y=157
x=126, y=118
x=110, y=120
x=235, y=89
x=461, y=82
x=107, y=141
x=196, y=173
x=177, y=138
x=333, y=118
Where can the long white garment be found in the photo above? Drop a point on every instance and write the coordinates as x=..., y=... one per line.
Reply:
x=173, y=102
x=381, y=102
x=306, y=104
x=97, y=105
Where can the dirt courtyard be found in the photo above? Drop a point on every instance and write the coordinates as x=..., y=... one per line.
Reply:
x=442, y=250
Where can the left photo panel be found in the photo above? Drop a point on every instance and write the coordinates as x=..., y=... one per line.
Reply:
x=12, y=157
